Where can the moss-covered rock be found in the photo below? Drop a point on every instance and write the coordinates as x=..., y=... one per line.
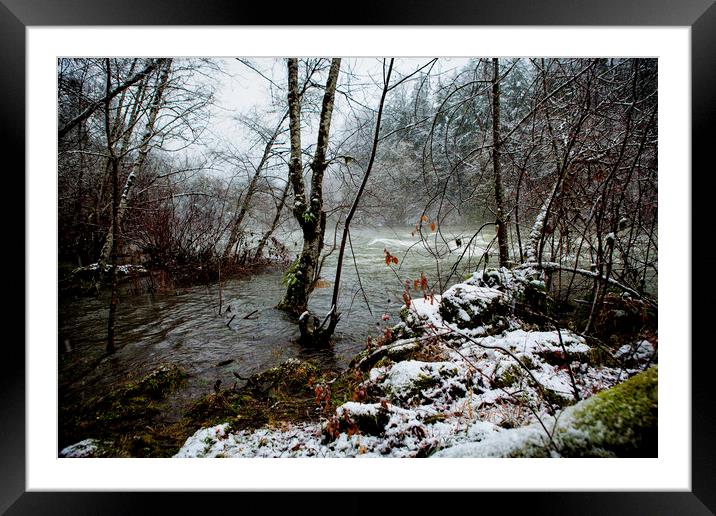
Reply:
x=621, y=421
x=617, y=422
x=291, y=376
x=414, y=381
x=282, y=393
x=127, y=411
x=524, y=289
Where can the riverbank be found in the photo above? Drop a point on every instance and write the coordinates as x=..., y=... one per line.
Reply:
x=136, y=279
x=473, y=365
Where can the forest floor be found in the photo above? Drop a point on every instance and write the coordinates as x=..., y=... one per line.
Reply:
x=477, y=371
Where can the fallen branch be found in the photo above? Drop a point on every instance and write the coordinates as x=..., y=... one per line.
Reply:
x=552, y=266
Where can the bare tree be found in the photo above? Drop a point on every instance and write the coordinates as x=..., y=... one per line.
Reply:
x=144, y=149
x=308, y=213
x=500, y=222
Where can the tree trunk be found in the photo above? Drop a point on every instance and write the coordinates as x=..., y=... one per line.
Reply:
x=300, y=277
x=500, y=222
x=334, y=314
x=139, y=164
x=262, y=243
x=250, y=191
x=310, y=215
x=114, y=164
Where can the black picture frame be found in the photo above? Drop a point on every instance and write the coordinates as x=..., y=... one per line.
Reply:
x=700, y=15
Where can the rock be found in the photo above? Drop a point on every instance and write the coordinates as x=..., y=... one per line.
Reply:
x=471, y=306
x=617, y=422
x=82, y=449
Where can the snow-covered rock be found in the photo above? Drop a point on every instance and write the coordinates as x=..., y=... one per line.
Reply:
x=467, y=377
x=85, y=448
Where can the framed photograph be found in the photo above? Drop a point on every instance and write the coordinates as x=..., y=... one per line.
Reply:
x=650, y=63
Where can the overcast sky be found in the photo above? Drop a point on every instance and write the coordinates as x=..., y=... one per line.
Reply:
x=241, y=91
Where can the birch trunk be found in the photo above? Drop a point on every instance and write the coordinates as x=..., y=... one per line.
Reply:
x=144, y=149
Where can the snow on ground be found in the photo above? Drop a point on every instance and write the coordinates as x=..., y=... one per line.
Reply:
x=86, y=448
x=460, y=404
x=121, y=269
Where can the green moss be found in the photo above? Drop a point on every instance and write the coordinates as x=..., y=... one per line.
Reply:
x=128, y=411
x=557, y=399
x=384, y=362
x=435, y=418
x=282, y=393
x=508, y=377
x=597, y=356
x=291, y=377
x=405, y=314
x=424, y=382
x=403, y=352
x=289, y=277
x=421, y=384
x=620, y=421
x=527, y=361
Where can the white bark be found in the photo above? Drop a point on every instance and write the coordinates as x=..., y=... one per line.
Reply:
x=144, y=149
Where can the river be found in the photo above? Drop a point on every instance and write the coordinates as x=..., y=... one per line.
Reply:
x=185, y=328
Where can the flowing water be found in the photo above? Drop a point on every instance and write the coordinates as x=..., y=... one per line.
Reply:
x=185, y=328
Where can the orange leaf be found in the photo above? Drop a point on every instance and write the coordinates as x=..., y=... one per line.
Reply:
x=432, y=226
x=406, y=298
x=424, y=218
x=395, y=260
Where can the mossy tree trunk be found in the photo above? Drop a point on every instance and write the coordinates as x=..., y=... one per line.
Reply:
x=309, y=214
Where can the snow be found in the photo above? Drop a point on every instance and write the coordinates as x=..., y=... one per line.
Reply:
x=472, y=294
x=536, y=233
x=85, y=448
x=531, y=342
x=499, y=443
x=639, y=350
x=122, y=269
x=426, y=310
x=401, y=378
x=471, y=400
